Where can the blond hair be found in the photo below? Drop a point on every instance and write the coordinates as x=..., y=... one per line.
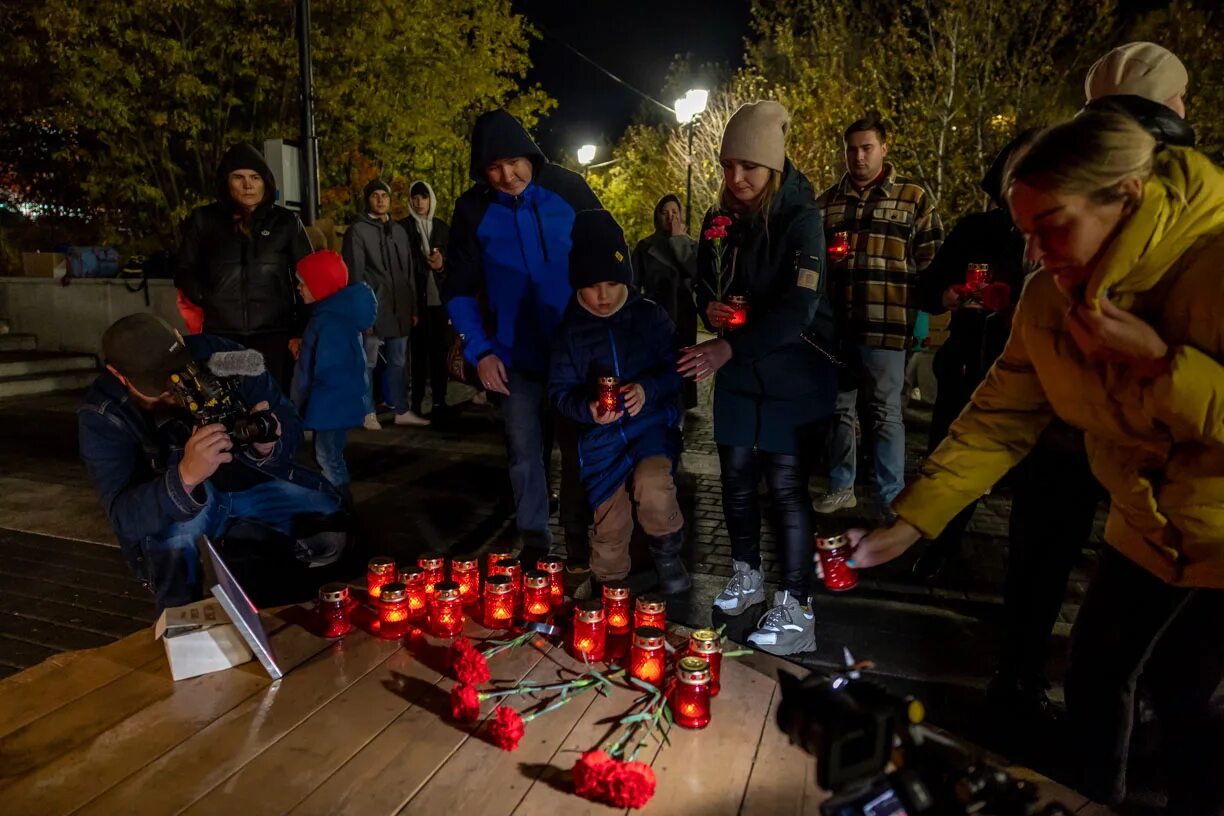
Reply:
x=728, y=201
x=1090, y=155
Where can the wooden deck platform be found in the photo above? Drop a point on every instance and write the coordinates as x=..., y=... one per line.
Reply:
x=361, y=726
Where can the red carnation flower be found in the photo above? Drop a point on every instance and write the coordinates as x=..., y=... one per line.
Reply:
x=590, y=774
x=507, y=728
x=469, y=665
x=996, y=296
x=465, y=703
x=721, y=221
x=630, y=784
x=714, y=233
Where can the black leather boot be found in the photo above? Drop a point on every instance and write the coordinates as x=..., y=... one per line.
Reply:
x=673, y=577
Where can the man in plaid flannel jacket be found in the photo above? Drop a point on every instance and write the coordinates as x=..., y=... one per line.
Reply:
x=892, y=233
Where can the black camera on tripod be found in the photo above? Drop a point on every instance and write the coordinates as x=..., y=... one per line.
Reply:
x=855, y=728
x=209, y=390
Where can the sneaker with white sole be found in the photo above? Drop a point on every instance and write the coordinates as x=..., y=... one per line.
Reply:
x=371, y=423
x=746, y=587
x=786, y=629
x=411, y=418
x=835, y=500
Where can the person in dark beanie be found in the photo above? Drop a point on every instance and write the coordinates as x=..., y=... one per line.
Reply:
x=510, y=244
x=629, y=436
x=236, y=259
x=427, y=233
x=378, y=253
x=330, y=385
x=664, y=268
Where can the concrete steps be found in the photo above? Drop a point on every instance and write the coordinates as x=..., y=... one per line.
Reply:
x=25, y=371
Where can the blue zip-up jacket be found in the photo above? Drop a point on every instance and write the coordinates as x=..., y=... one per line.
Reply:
x=512, y=251
x=329, y=385
x=132, y=459
x=636, y=344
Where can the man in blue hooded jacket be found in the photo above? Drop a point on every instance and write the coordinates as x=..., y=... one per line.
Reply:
x=510, y=243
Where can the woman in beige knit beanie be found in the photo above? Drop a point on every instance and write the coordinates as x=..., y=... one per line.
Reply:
x=764, y=244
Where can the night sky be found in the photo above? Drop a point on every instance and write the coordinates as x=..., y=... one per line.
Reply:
x=634, y=39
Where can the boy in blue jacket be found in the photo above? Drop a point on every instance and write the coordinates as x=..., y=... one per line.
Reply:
x=329, y=386
x=610, y=331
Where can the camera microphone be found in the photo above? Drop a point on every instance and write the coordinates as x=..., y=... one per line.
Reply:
x=243, y=363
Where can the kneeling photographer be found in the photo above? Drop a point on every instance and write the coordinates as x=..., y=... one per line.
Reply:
x=182, y=436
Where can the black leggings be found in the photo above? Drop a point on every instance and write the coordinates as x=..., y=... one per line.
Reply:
x=786, y=478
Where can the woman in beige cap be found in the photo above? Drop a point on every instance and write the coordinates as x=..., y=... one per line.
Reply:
x=765, y=243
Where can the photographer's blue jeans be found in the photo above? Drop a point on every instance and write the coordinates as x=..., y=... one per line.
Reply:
x=397, y=371
x=329, y=452
x=882, y=375
x=173, y=559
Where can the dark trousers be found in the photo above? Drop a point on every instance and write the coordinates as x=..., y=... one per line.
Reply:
x=1053, y=506
x=1133, y=625
x=274, y=346
x=429, y=358
x=786, y=478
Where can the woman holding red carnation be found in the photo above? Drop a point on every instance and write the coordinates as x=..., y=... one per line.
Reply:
x=774, y=386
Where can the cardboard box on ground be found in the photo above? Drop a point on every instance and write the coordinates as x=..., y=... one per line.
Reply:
x=44, y=264
x=199, y=639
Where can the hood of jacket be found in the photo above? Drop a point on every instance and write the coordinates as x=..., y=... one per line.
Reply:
x=244, y=156
x=498, y=135
x=1166, y=127
x=353, y=305
x=992, y=182
x=1182, y=202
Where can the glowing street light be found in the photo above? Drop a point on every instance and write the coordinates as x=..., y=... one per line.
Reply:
x=688, y=108
x=586, y=154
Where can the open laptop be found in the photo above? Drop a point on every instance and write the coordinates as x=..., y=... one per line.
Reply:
x=241, y=611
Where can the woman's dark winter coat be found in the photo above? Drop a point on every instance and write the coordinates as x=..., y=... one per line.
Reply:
x=636, y=344
x=243, y=278
x=777, y=387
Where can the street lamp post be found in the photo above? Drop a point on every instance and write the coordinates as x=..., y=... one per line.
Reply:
x=688, y=108
x=309, y=141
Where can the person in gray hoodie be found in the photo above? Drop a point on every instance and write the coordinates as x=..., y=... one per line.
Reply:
x=427, y=234
x=378, y=252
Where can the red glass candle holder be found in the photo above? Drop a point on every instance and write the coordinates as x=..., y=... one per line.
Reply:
x=616, y=606
x=435, y=569
x=446, y=610
x=739, y=315
x=609, y=395
x=834, y=555
x=465, y=571
x=978, y=277
x=379, y=572
x=590, y=631
x=648, y=657
x=496, y=553
x=333, y=608
x=555, y=568
x=706, y=644
x=690, y=694
x=413, y=579
x=650, y=610
x=839, y=246
x=498, y=602
x=537, y=596
x=393, y=611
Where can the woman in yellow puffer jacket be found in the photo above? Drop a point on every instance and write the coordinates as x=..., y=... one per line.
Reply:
x=1121, y=334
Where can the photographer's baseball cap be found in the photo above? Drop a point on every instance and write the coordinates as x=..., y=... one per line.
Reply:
x=146, y=350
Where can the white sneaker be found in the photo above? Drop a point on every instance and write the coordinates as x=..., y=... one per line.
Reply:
x=411, y=418
x=371, y=423
x=746, y=587
x=789, y=628
x=481, y=398
x=837, y=500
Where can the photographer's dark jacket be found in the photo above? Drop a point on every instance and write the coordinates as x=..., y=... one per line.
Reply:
x=243, y=278
x=132, y=456
x=776, y=385
x=379, y=253
x=636, y=344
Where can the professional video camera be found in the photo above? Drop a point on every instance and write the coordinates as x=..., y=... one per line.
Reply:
x=209, y=390
x=854, y=728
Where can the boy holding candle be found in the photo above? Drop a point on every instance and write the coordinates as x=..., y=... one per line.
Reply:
x=629, y=437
